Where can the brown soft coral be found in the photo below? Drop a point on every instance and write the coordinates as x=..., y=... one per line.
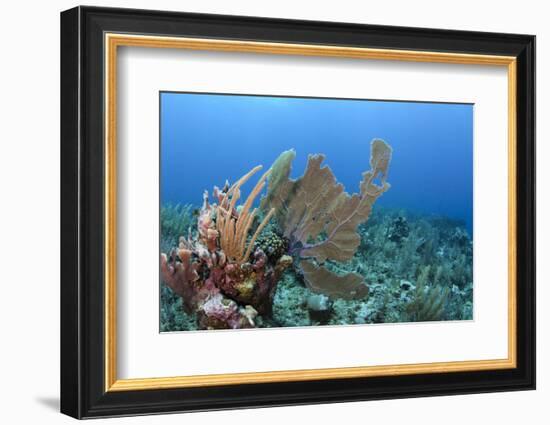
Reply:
x=320, y=219
x=232, y=226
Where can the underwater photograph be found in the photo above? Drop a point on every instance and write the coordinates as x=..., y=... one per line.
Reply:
x=297, y=211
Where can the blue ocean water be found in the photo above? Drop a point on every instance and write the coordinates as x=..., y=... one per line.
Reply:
x=208, y=138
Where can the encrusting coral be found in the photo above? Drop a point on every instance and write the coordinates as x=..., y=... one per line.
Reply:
x=227, y=271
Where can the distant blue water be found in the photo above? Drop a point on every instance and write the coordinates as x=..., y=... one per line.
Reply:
x=206, y=139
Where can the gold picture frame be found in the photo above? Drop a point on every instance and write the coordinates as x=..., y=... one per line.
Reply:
x=112, y=39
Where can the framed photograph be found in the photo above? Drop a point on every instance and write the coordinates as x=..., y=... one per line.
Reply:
x=261, y=212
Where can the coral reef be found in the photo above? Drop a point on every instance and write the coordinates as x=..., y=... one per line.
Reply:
x=310, y=254
x=392, y=270
x=215, y=272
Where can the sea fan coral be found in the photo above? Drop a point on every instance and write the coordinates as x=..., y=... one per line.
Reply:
x=320, y=219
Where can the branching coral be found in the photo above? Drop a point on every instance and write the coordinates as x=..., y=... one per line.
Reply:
x=181, y=275
x=320, y=219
